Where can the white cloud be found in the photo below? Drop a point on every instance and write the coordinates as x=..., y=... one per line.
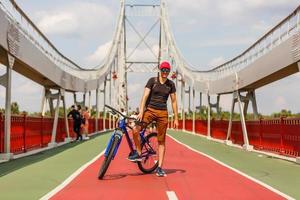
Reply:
x=142, y=54
x=256, y=4
x=229, y=12
x=261, y=26
x=78, y=18
x=191, y=5
x=216, y=61
x=280, y=102
x=230, y=8
x=228, y=41
x=28, y=88
x=98, y=56
x=138, y=55
x=61, y=23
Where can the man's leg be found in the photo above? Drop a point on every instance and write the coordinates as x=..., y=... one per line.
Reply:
x=137, y=139
x=147, y=118
x=80, y=135
x=162, y=124
x=135, y=156
x=76, y=131
x=161, y=153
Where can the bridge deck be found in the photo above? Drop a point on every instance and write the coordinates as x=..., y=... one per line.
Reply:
x=43, y=172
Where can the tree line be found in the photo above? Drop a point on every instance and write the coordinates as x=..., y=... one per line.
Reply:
x=15, y=110
x=199, y=114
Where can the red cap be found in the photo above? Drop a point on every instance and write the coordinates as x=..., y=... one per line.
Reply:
x=165, y=65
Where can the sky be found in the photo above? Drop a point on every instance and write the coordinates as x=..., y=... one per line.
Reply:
x=207, y=32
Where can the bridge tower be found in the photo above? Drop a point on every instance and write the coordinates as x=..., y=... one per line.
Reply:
x=141, y=23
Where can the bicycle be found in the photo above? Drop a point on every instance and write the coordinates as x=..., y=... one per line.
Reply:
x=149, y=145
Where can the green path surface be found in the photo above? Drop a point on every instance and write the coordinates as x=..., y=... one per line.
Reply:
x=281, y=175
x=34, y=176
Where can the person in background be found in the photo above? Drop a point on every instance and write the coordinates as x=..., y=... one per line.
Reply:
x=123, y=112
x=134, y=116
x=76, y=121
x=85, y=122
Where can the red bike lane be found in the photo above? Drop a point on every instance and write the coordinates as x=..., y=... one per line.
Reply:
x=189, y=175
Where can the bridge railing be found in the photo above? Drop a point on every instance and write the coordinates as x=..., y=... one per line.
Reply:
x=28, y=29
x=280, y=136
x=284, y=30
x=29, y=133
x=281, y=32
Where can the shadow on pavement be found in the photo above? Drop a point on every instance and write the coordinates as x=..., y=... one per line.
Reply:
x=123, y=175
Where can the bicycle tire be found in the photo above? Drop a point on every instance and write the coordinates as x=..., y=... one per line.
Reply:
x=108, y=159
x=155, y=164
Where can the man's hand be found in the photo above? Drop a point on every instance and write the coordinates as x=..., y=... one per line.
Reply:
x=140, y=116
x=176, y=124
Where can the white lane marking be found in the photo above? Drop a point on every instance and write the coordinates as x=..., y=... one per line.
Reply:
x=172, y=195
x=235, y=170
x=70, y=178
x=240, y=147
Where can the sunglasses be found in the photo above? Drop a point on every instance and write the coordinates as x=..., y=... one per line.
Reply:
x=165, y=70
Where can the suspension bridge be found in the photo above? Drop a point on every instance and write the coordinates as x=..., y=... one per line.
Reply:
x=206, y=159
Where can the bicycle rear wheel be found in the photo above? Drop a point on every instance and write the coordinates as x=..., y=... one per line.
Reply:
x=109, y=157
x=149, y=154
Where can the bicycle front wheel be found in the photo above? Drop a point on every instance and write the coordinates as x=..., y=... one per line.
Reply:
x=149, y=153
x=109, y=157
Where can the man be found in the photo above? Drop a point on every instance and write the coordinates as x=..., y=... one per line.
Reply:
x=153, y=107
x=123, y=113
x=131, y=122
x=76, y=121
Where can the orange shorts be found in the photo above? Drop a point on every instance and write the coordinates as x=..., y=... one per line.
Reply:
x=161, y=118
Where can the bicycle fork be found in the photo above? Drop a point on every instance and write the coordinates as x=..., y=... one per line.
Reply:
x=117, y=134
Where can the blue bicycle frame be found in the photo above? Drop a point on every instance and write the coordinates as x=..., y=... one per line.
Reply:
x=119, y=132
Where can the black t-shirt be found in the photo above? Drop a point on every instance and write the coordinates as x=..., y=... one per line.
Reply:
x=76, y=116
x=159, y=94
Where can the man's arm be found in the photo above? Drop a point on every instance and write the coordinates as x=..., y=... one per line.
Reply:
x=70, y=113
x=175, y=109
x=143, y=102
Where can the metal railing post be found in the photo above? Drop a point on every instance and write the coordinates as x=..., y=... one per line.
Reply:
x=24, y=133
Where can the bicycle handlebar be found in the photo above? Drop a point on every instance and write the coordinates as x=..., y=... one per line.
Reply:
x=114, y=112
